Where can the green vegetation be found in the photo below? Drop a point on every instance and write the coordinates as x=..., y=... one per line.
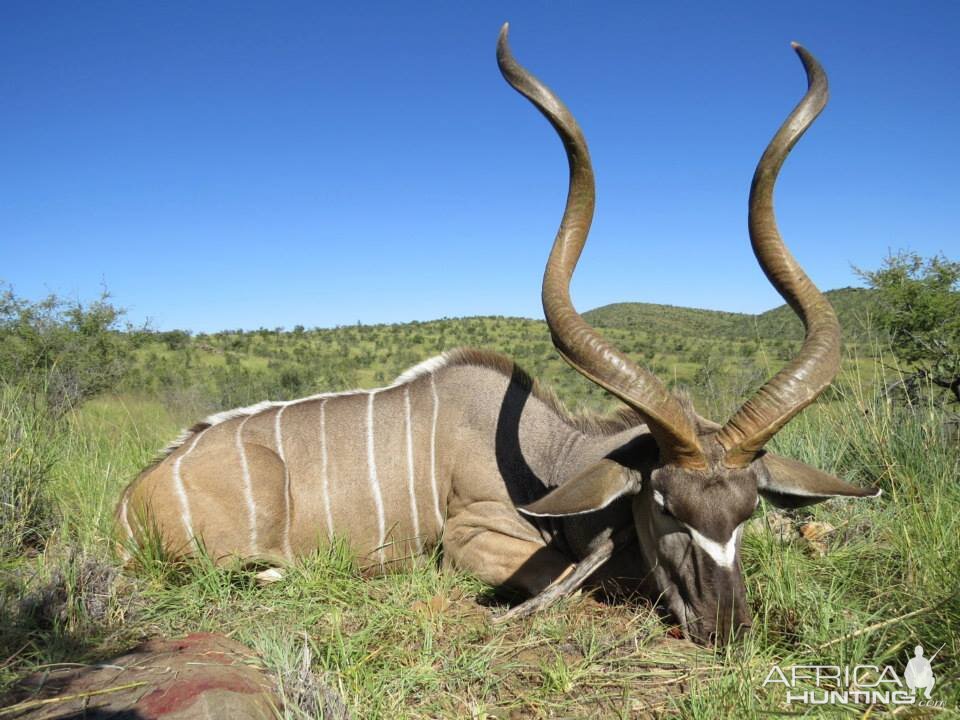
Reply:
x=420, y=643
x=854, y=306
x=919, y=306
x=28, y=453
x=68, y=351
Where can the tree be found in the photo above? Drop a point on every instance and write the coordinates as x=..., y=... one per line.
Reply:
x=920, y=310
x=68, y=350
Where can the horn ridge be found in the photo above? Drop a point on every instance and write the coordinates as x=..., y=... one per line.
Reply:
x=816, y=364
x=585, y=349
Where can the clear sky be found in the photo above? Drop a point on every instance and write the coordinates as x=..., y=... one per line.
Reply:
x=245, y=164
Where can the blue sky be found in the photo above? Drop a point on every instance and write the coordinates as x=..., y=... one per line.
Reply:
x=246, y=164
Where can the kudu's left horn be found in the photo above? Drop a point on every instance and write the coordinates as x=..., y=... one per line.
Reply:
x=812, y=370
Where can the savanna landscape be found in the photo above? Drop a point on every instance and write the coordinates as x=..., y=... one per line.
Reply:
x=87, y=401
x=259, y=175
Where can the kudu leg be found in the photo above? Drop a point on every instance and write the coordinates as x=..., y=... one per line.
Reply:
x=502, y=560
x=569, y=582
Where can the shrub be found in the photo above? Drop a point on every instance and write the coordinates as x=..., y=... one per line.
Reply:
x=68, y=350
x=920, y=310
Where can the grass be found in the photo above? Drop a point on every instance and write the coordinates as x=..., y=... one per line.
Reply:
x=420, y=643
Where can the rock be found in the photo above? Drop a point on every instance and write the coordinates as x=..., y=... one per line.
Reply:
x=774, y=522
x=815, y=534
x=816, y=530
x=269, y=576
x=201, y=676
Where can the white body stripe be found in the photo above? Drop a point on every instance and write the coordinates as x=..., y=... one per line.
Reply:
x=723, y=554
x=324, y=479
x=414, y=515
x=278, y=434
x=247, y=488
x=433, y=452
x=372, y=475
x=123, y=515
x=427, y=367
x=182, y=492
x=124, y=553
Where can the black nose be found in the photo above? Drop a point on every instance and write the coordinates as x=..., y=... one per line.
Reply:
x=719, y=634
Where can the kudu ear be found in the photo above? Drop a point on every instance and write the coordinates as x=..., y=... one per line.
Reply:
x=593, y=489
x=791, y=484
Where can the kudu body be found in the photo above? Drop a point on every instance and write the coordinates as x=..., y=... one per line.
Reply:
x=466, y=450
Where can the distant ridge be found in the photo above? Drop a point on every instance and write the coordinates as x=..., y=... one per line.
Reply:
x=854, y=306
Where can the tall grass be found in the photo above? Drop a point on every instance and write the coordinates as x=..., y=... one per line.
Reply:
x=29, y=453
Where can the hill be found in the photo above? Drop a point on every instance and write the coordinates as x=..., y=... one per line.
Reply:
x=721, y=355
x=854, y=308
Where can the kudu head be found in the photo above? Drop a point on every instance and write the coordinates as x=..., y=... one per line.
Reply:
x=690, y=501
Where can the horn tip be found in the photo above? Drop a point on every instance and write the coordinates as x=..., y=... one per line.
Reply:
x=503, y=46
x=801, y=51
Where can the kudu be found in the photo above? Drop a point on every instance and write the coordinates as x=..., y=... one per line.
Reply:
x=465, y=450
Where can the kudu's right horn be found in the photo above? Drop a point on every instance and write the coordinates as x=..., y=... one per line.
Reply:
x=578, y=343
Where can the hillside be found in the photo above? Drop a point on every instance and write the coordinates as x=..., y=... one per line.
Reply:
x=854, y=307
x=721, y=356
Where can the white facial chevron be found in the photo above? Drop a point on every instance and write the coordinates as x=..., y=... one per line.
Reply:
x=723, y=554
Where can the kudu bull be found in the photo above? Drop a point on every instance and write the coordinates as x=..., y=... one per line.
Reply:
x=466, y=450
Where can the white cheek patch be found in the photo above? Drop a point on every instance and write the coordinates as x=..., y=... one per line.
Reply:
x=658, y=497
x=723, y=554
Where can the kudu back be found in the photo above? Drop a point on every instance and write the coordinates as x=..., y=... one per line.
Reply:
x=467, y=451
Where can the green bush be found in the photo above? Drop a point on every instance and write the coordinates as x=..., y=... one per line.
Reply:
x=919, y=307
x=66, y=349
